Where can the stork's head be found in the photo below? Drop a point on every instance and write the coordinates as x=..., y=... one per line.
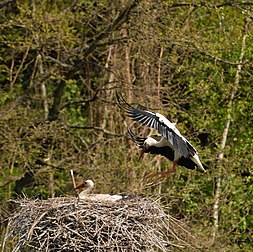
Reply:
x=86, y=184
x=147, y=143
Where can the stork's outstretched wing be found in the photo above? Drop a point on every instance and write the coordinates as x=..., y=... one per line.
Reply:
x=162, y=124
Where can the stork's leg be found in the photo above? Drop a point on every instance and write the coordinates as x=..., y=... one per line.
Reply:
x=160, y=175
x=165, y=173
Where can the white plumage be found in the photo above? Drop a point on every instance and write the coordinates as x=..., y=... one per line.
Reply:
x=177, y=145
x=89, y=185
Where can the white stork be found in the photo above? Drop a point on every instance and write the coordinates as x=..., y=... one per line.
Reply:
x=171, y=145
x=89, y=185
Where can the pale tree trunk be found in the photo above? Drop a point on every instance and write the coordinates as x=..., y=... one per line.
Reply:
x=110, y=59
x=217, y=195
x=127, y=80
x=43, y=87
x=39, y=64
x=46, y=112
x=158, y=162
x=50, y=176
x=101, y=115
x=51, y=184
x=128, y=69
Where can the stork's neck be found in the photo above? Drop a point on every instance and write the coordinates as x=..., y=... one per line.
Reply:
x=87, y=190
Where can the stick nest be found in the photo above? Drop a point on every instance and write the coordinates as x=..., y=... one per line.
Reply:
x=64, y=224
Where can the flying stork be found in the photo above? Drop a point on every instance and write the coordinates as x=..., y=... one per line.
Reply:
x=171, y=145
x=89, y=185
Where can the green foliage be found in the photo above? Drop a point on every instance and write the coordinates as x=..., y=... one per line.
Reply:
x=181, y=60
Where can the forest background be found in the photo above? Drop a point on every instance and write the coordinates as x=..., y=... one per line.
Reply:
x=61, y=65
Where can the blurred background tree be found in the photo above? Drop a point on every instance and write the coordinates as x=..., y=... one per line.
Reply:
x=61, y=64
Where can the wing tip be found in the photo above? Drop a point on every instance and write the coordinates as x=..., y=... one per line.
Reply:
x=123, y=104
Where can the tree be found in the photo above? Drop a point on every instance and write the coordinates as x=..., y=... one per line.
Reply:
x=61, y=65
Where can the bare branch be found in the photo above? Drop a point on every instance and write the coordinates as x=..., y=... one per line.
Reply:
x=207, y=4
x=123, y=16
x=81, y=101
x=98, y=129
x=57, y=62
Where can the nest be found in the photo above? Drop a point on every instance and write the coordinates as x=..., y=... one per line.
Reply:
x=64, y=224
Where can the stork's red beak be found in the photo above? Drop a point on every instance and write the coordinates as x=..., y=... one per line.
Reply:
x=80, y=186
x=142, y=152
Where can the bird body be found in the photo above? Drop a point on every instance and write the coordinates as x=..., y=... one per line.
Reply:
x=178, y=147
x=177, y=155
x=89, y=185
x=160, y=149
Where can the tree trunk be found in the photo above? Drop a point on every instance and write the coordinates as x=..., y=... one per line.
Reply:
x=58, y=94
x=225, y=133
x=158, y=163
x=43, y=87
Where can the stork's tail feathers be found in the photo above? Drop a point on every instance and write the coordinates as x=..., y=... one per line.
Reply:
x=196, y=160
x=136, y=139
